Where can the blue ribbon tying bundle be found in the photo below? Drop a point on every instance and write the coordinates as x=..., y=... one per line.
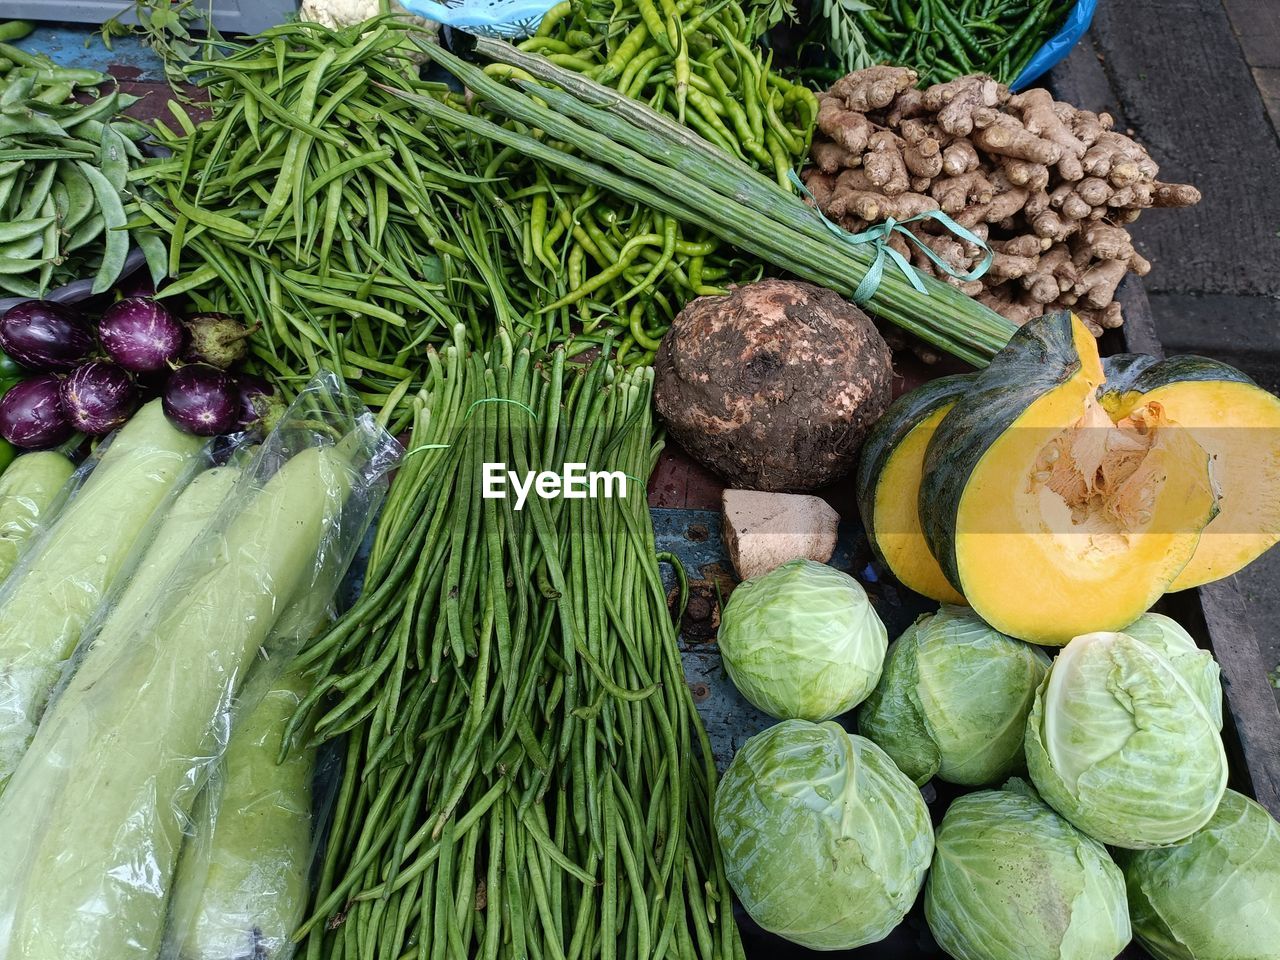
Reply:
x=879, y=235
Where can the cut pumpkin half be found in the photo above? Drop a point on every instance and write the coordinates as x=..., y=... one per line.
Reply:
x=1052, y=517
x=888, y=482
x=1238, y=424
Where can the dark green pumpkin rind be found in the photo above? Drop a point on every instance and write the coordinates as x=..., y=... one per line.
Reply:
x=1122, y=369
x=1040, y=357
x=1143, y=378
x=903, y=416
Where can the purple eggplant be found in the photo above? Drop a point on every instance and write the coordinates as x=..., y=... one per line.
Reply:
x=201, y=399
x=140, y=334
x=31, y=414
x=258, y=403
x=42, y=335
x=138, y=285
x=98, y=396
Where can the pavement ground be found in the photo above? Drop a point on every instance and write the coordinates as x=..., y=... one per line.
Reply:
x=1198, y=82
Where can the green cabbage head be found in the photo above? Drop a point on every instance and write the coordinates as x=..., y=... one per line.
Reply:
x=954, y=699
x=1196, y=666
x=825, y=841
x=1215, y=897
x=1121, y=745
x=1012, y=880
x=802, y=642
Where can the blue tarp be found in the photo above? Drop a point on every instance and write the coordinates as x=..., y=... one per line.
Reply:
x=1059, y=45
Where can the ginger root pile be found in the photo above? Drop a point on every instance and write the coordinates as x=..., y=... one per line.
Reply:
x=1048, y=186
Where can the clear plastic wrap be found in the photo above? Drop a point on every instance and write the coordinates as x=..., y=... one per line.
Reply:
x=31, y=490
x=64, y=575
x=95, y=816
x=241, y=887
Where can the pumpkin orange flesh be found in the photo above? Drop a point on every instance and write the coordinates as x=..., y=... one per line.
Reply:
x=1046, y=567
x=898, y=532
x=1238, y=424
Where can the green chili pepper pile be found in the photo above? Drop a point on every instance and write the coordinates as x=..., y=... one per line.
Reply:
x=626, y=263
x=64, y=169
x=526, y=774
x=942, y=39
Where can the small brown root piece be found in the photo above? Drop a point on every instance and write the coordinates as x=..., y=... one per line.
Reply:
x=1027, y=245
x=1175, y=195
x=874, y=87
x=1097, y=286
x=923, y=158
x=955, y=102
x=849, y=129
x=1040, y=117
x=1024, y=173
x=955, y=193
x=884, y=163
x=830, y=157
x=959, y=158
x=1007, y=137
x=1005, y=266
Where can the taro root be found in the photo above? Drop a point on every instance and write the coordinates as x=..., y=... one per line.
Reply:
x=773, y=386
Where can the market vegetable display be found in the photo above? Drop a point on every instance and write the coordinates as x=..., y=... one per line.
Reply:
x=1119, y=744
x=940, y=40
x=890, y=468
x=73, y=886
x=802, y=642
x=526, y=773
x=520, y=268
x=29, y=491
x=1049, y=518
x=1215, y=896
x=1050, y=187
x=241, y=885
x=954, y=700
x=64, y=176
x=1012, y=880
x=774, y=385
x=46, y=604
x=424, y=225
x=1238, y=424
x=825, y=841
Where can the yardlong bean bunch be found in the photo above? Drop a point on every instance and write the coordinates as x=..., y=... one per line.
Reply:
x=526, y=773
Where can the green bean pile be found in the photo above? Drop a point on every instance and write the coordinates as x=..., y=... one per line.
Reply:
x=943, y=39
x=626, y=264
x=526, y=774
x=314, y=204
x=64, y=170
